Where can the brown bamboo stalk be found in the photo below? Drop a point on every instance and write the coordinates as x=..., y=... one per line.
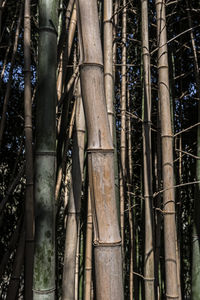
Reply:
x=29, y=203
x=2, y=6
x=74, y=204
x=115, y=25
x=147, y=158
x=108, y=54
x=107, y=241
x=8, y=88
x=88, y=252
x=167, y=156
x=123, y=123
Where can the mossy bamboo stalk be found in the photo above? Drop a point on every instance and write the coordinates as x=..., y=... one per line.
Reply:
x=107, y=241
x=45, y=155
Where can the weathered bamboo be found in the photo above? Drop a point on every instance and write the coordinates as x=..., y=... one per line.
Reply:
x=44, y=258
x=167, y=156
x=74, y=204
x=107, y=241
x=8, y=88
x=147, y=157
x=29, y=214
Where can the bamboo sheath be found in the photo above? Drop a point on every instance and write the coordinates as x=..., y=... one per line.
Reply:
x=167, y=156
x=147, y=157
x=107, y=241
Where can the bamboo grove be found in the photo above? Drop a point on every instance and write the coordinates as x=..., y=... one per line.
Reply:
x=100, y=149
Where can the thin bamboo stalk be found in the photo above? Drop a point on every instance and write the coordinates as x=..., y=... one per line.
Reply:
x=147, y=158
x=123, y=123
x=74, y=204
x=88, y=251
x=29, y=203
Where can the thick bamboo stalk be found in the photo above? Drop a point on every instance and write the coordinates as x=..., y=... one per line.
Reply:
x=29, y=214
x=74, y=204
x=44, y=258
x=167, y=157
x=8, y=88
x=107, y=241
x=147, y=157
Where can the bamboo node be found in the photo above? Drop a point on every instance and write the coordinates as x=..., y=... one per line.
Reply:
x=91, y=150
x=167, y=136
x=144, y=278
x=172, y=296
x=49, y=29
x=47, y=153
x=102, y=244
x=91, y=64
x=49, y=291
x=166, y=212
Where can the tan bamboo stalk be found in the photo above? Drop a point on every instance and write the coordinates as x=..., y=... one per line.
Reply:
x=123, y=123
x=8, y=88
x=167, y=156
x=74, y=204
x=115, y=25
x=17, y=268
x=107, y=241
x=29, y=203
x=88, y=251
x=147, y=157
x=108, y=54
x=158, y=216
x=129, y=187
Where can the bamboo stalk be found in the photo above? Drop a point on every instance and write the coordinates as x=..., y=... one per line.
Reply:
x=167, y=156
x=29, y=213
x=147, y=158
x=44, y=258
x=107, y=241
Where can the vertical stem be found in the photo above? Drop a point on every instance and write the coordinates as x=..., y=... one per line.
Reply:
x=44, y=258
x=167, y=156
x=29, y=210
x=147, y=158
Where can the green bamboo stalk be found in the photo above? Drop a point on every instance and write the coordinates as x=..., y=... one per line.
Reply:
x=44, y=258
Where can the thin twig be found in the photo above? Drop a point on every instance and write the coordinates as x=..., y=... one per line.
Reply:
x=175, y=186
